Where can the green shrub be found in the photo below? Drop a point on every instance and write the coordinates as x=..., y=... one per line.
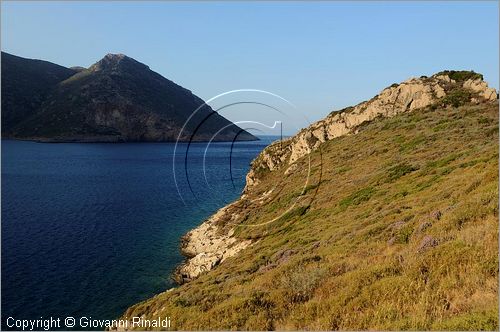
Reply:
x=295, y=212
x=400, y=170
x=357, y=198
x=411, y=145
x=485, y=321
x=460, y=75
x=457, y=97
x=444, y=161
x=404, y=235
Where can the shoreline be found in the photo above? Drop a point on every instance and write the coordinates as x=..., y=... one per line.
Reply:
x=212, y=242
x=208, y=245
x=114, y=140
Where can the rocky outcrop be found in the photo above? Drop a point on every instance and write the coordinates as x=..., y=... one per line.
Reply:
x=271, y=158
x=481, y=87
x=410, y=95
x=207, y=246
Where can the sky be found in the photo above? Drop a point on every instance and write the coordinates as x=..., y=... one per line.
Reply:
x=318, y=56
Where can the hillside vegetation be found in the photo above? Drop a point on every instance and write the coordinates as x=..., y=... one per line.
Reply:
x=396, y=228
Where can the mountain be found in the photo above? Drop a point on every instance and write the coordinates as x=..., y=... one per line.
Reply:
x=382, y=216
x=25, y=85
x=115, y=99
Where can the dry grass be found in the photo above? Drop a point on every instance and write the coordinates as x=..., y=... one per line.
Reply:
x=398, y=230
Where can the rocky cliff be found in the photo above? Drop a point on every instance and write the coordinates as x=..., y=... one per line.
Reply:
x=447, y=88
x=115, y=99
x=213, y=241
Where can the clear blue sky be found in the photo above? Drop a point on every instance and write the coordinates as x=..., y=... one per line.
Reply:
x=321, y=56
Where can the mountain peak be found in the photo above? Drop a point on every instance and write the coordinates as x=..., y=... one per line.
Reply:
x=115, y=56
x=114, y=61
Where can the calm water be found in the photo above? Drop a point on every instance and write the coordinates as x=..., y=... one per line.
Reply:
x=90, y=229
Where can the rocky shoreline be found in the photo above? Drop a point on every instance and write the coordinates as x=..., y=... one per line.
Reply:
x=208, y=245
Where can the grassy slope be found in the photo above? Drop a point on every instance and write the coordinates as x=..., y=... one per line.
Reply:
x=356, y=258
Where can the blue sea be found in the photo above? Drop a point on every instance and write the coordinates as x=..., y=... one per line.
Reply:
x=91, y=229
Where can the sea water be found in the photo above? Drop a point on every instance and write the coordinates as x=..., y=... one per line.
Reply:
x=91, y=229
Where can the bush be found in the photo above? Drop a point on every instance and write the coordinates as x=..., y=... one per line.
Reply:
x=300, y=283
x=457, y=97
x=295, y=212
x=400, y=170
x=460, y=75
x=357, y=198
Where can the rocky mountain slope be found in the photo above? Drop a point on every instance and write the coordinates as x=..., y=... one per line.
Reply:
x=115, y=99
x=381, y=216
